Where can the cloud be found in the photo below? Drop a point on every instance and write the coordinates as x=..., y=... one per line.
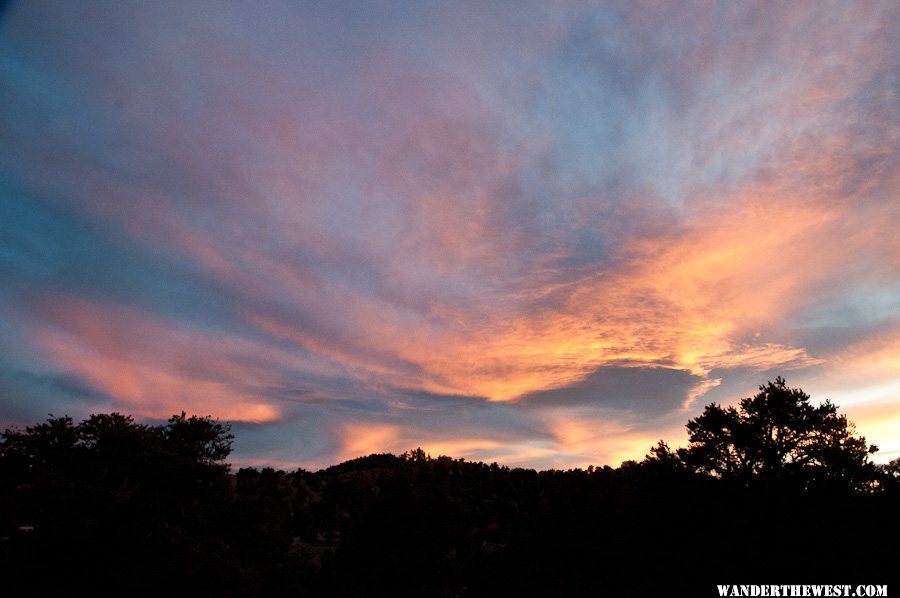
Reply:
x=406, y=224
x=645, y=390
x=154, y=368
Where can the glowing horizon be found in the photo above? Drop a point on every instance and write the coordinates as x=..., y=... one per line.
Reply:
x=539, y=234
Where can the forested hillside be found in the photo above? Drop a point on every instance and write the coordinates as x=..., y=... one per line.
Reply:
x=113, y=506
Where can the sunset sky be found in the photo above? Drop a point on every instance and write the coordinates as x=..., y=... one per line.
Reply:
x=539, y=233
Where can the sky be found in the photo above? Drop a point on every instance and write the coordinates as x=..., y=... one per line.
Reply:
x=544, y=234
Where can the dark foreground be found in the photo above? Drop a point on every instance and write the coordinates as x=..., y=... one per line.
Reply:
x=113, y=507
x=386, y=525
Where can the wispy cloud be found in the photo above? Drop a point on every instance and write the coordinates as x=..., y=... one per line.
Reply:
x=534, y=233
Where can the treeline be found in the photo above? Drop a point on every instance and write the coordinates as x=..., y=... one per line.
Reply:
x=110, y=506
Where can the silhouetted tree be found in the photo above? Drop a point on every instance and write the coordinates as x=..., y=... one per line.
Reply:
x=777, y=438
x=890, y=476
x=39, y=449
x=199, y=439
x=112, y=496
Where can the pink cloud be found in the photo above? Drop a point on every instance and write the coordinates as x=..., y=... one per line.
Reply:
x=153, y=367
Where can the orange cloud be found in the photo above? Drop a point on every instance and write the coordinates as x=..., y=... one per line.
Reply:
x=694, y=301
x=880, y=424
x=573, y=440
x=361, y=439
x=153, y=368
x=875, y=358
x=689, y=302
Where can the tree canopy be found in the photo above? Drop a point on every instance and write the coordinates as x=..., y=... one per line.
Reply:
x=778, y=438
x=115, y=438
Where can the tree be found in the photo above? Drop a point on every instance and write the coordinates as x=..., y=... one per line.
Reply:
x=59, y=445
x=199, y=439
x=115, y=465
x=890, y=476
x=40, y=448
x=108, y=500
x=777, y=438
